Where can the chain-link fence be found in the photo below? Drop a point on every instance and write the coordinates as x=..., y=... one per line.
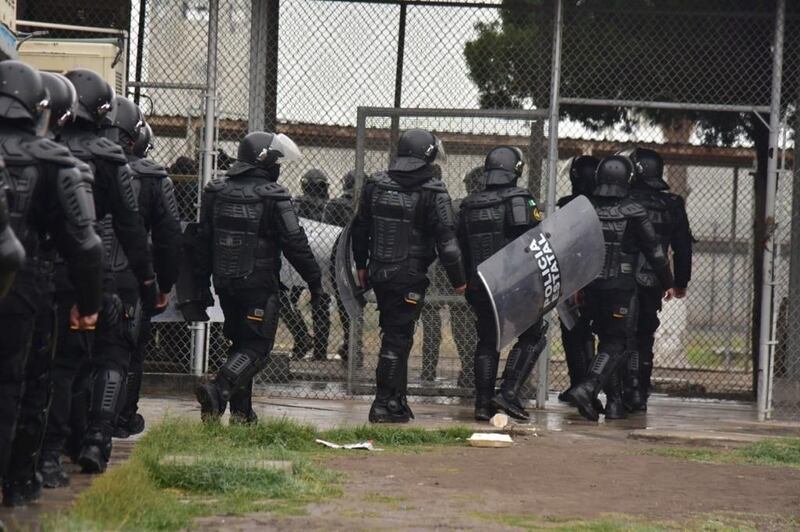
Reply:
x=693, y=83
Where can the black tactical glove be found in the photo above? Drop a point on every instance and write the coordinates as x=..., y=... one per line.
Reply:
x=148, y=291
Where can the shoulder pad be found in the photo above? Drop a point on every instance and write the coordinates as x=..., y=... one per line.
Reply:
x=49, y=151
x=382, y=180
x=15, y=151
x=215, y=185
x=102, y=148
x=435, y=185
x=168, y=192
x=514, y=192
x=147, y=167
x=273, y=191
x=478, y=200
x=631, y=209
x=77, y=146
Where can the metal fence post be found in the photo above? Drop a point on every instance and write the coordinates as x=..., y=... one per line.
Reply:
x=766, y=343
x=552, y=173
x=200, y=330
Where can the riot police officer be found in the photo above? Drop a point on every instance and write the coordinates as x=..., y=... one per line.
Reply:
x=52, y=205
x=667, y=212
x=487, y=222
x=311, y=203
x=627, y=231
x=339, y=212
x=578, y=342
x=462, y=318
x=404, y=220
x=246, y=222
x=158, y=209
x=110, y=348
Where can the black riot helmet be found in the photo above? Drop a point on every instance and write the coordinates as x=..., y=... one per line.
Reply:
x=503, y=166
x=144, y=143
x=614, y=176
x=349, y=181
x=582, y=171
x=63, y=99
x=95, y=96
x=649, y=168
x=415, y=149
x=22, y=93
x=264, y=152
x=315, y=183
x=126, y=124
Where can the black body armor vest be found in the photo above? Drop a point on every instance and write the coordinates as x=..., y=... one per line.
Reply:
x=398, y=237
x=660, y=215
x=242, y=242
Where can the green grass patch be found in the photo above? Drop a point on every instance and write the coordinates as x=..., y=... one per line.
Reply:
x=623, y=522
x=146, y=494
x=779, y=452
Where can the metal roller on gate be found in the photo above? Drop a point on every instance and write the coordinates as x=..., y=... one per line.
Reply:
x=543, y=268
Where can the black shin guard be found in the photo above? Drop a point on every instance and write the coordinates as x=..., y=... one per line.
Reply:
x=241, y=404
x=632, y=393
x=107, y=392
x=519, y=366
x=615, y=408
x=389, y=404
x=486, y=362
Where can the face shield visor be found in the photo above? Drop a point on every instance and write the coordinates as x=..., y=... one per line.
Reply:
x=282, y=149
x=441, y=154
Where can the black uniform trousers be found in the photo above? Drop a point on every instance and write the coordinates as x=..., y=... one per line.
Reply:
x=650, y=304
x=487, y=357
x=21, y=312
x=79, y=357
x=614, y=314
x=251, y=322
x=578, y=345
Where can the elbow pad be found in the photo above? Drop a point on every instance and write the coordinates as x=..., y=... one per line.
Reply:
x=450, y=257
x=290, y=224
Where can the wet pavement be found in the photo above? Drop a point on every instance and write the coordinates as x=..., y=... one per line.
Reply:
x=669, y=420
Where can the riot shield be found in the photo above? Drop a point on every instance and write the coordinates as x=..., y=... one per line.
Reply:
x=191, y=298
x=351, y=294
x=322, y=240
x=543, y=267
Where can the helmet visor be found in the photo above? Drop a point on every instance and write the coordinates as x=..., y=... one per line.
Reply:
x=285, y=148
x=441, y=154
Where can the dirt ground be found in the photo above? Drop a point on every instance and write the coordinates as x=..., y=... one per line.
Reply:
x=557, y=474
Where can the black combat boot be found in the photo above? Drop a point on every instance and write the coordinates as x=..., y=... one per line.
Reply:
x=241, y=404
x=20, y=492
x=615, y=408
x=519, y=366
x=389, y=405
x=53, y=474
x=486, y=361
x=107, y=390
x=236, y=373
x=632, y=394
x=585, y=394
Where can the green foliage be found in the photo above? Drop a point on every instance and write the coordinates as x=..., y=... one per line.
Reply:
x=146, y=494
x=779, y=452
x=728, y=521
